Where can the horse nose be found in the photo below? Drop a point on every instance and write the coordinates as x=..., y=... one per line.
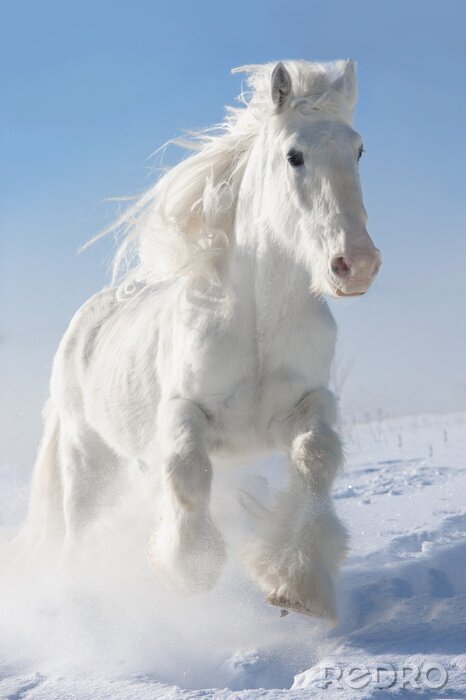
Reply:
x=356, y=265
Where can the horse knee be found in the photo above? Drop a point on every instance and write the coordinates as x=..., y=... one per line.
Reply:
x=318, y=454
x=318, y=405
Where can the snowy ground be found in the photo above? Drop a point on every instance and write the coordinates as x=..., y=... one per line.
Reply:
x=117, y=634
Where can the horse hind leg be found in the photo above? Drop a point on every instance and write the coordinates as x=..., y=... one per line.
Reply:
x=92, y=479
x=186, y=547
x=41, y=535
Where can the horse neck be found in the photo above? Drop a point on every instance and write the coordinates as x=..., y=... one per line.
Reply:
x=271, y=286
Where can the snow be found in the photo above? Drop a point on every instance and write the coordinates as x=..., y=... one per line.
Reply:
x=115, y=632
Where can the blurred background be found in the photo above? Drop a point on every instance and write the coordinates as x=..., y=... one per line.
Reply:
x=89, y=90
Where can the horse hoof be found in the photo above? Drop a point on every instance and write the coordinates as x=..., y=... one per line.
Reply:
x=288, y=605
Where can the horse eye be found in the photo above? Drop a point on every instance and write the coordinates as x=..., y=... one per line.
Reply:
x=360, y=152
x=295, y=158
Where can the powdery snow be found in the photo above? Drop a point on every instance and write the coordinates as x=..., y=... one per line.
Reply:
x=115, y=632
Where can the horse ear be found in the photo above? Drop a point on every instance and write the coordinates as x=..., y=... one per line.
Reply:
x=347, y=83
x=281, y=86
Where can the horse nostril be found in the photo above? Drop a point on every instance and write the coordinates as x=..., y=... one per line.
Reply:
x=341, y=266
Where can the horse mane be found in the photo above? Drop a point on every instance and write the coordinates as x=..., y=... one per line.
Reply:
x=183, y=224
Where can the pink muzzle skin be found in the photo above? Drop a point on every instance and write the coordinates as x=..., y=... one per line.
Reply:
x=354, y=272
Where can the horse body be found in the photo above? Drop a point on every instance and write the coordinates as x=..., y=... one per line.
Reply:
x=121, y=360
x=231, y=358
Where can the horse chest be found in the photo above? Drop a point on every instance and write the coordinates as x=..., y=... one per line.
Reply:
x=245, y=381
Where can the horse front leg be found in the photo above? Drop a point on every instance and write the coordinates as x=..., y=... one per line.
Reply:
x=304, y=541
x=186, y=547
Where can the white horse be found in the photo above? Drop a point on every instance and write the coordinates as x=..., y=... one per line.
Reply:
x=215, y=340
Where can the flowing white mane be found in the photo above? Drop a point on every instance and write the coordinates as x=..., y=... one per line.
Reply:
x=183, y=223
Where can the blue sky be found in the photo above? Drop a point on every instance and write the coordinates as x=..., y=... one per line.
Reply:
x=90, y=89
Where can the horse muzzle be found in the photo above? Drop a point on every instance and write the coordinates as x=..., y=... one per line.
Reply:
x=352, y=273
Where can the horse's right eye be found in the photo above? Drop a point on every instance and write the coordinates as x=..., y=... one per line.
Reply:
x=295, y=158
